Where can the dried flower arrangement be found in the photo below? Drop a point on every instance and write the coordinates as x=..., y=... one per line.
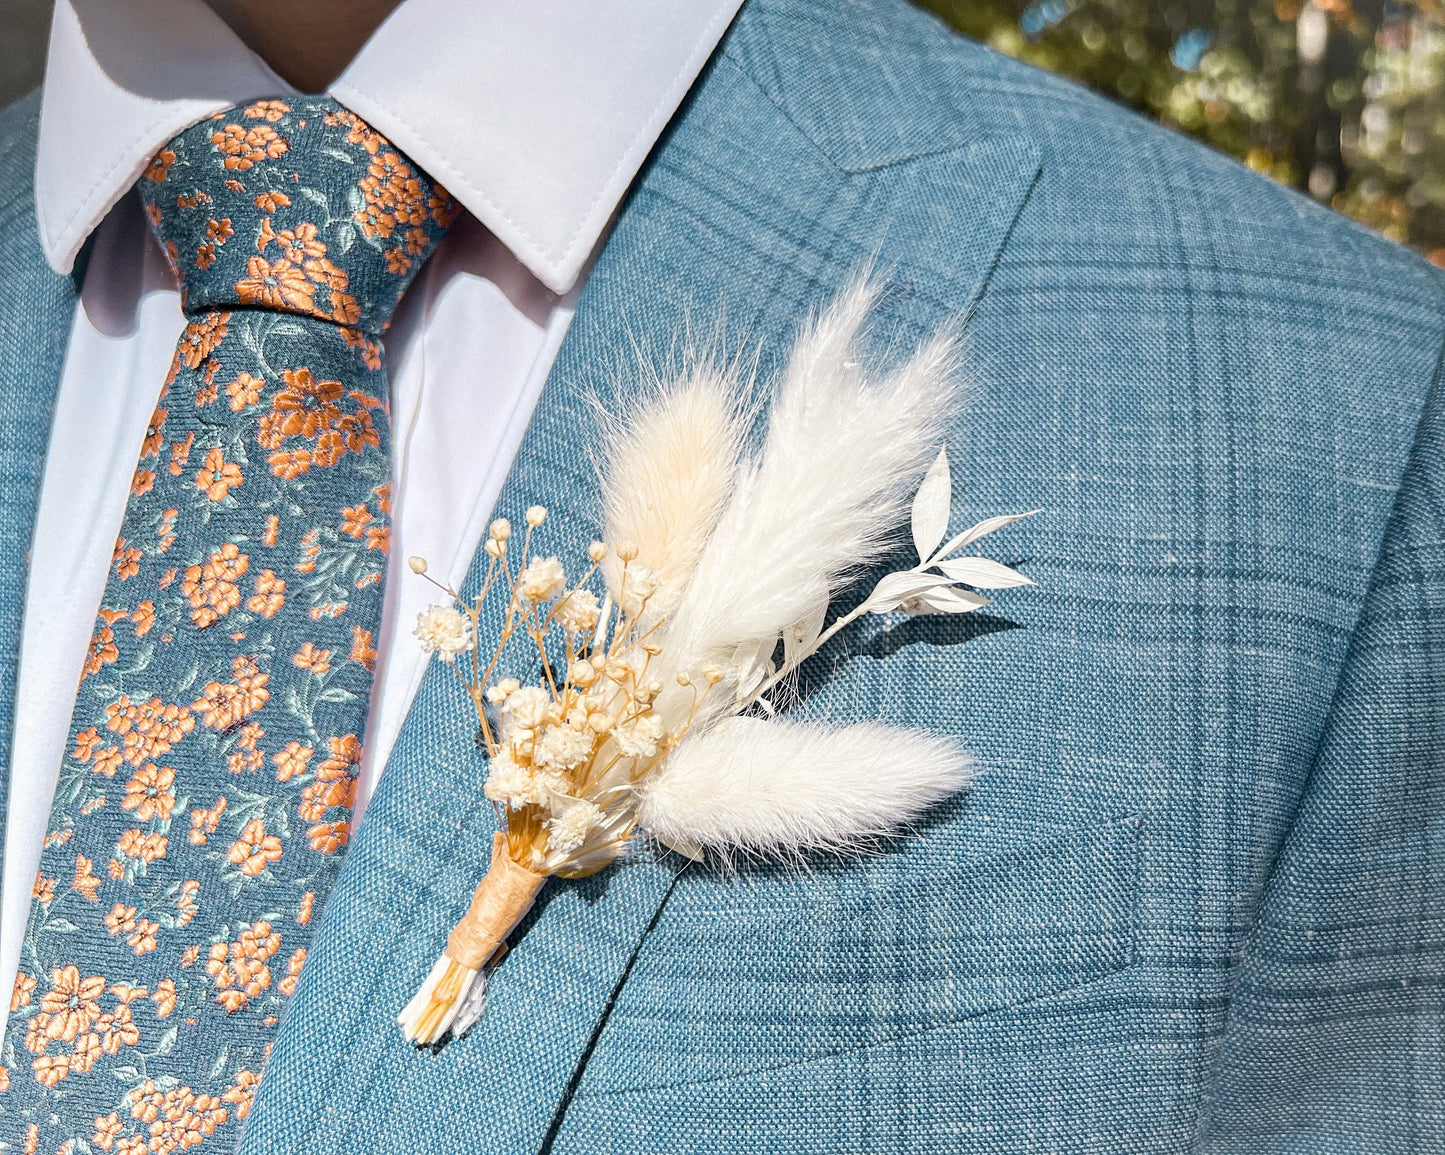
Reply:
x=654, y=708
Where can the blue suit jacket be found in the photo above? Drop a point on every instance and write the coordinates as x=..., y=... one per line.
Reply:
x=1196, y=902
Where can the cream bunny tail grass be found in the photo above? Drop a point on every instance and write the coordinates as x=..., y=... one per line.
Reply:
x=668, y=467
x=778, y=789
x=844, y=452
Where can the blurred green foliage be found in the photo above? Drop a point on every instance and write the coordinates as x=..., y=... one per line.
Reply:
x=1344, y=99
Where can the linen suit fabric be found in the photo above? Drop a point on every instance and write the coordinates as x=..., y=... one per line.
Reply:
x=35, y=308
x=1193, y=903
x=202, y=809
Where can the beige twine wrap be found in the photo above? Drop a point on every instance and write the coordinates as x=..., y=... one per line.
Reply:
x=499, y=903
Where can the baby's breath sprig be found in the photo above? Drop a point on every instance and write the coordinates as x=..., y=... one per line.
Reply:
x=565, y=753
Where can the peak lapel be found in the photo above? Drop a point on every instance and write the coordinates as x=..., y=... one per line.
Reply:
x=738, y=218
x=36, y=308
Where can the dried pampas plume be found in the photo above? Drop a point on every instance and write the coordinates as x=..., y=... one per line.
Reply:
x=654, y=709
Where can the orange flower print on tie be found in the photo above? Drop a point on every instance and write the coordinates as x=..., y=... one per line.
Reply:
x=154, y=436
x=255, y=850
x=211, y=587
x=143, y=618
x=147, y=729
x=200, y=340
x=292, y=760
x=223, y=705
x=149, y=792
x=86, y=883
x=244, y=391
x=392, y=196
x=308, y=406
x=359, y=131
x=20, y=994
x=355, y=519
x=107, y=762
x=217, y=476
x=204, y=823
x=276, y=284
x=71, y=1003
x=312, y=657
x=85, y=743
x=272, y=110
x=301, y=246
x=126, y=559
x=102, y=650
x=270, y=594
x=269, y=202
x=181, y=453
x=243, y=147
x=160, y=166
x=139, y=846
x=363, y=653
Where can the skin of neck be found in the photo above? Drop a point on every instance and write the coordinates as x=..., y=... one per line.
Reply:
x=307, y=44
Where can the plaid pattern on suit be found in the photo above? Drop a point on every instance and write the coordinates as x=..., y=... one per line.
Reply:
x=1196, y=901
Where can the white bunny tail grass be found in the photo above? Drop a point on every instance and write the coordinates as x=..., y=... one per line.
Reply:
x=451, y=999
x=844, y=452
x=668, y=467
x=777, y=789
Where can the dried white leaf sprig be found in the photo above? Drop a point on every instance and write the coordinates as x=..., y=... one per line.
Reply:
x=654, y=709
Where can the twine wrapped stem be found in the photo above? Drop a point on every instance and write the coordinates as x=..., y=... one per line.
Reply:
x=501, y=900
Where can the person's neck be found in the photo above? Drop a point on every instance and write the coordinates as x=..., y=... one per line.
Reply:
x=307, y=44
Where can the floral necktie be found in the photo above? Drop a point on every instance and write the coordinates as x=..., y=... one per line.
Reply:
x=205, y=801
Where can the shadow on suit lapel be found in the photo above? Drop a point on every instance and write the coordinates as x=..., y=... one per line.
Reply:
x=740, y=216
x=36, y=308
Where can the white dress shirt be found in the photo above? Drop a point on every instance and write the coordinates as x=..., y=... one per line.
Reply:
x=535, y=114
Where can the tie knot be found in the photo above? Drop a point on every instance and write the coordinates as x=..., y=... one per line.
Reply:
x=295, y=205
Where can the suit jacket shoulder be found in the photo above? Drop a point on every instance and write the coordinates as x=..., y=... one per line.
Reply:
x=876, y=81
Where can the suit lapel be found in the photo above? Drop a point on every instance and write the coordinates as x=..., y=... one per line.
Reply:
x=738, y=217
x=36, y=308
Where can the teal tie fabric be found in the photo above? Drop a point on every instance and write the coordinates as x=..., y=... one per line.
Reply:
x=204, y=804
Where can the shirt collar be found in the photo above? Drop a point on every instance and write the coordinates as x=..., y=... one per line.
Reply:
x=536, y=114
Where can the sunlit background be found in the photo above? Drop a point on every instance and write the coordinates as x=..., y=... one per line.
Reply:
x=1344, y=99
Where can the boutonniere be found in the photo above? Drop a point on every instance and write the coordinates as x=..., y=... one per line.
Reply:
x=661, y=666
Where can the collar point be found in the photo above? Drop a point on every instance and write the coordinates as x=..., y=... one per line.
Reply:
x=58, y=247
x=558, y=270
x=60, y=258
